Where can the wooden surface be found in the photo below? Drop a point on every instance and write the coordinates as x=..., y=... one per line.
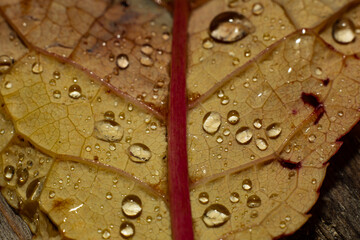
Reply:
x=336, y=215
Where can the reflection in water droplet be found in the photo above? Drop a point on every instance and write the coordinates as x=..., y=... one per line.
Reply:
x=253, y=201
x=23, y=175
x=75, y=91
x=312, y=138
x=131, y=206
x=261, y=144
x=257, y=9
x=204, y=198
x=211, y=122
x=106, y=234
x=5, y=64
x=9, y=172
x=122, y=61
x=208, y=43
x=37, y=68
x=234, y=197
x=146, y=61
x=273, y=130
x=216, y=215
x=109, y=131
x=257, y=123
x=57, y=94
x=247, y=184
x=147, y=49
x=243, y=135
x=230, y=27
x=139, y=153
x=127, y=230
x=343, y=31
x=233, y=117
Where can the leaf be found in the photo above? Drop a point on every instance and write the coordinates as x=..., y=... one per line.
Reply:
x=84, y=141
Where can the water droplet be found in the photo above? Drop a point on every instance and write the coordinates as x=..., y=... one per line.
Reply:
x=23, y=175
x=253, y=201
x=211, y=122
x=122, y=61
x=257, y=123
x=8, y=85
x=146, y=61
x=109, y=131
x=131, y=206
x=5, y=64
x=51, y=194
x=254, y=214
x=282, y=224
x=166, y=36
x=233, y=3
x=287, y=218
x=37, y=68
x=312, y=138
x=261, y=144
x=208, y=43
x=106, y=234
x=313, y=181
x=234, y=197
x=318, y=71
x=343, y=31
x=247, y=53
x=127, y=230
x=243, y=135
x=203, y=198
x=56, y=94
x=109, y=196
x=340, y=113
x=9, y=172
x=226, y=132
x=52, y=82
x=147, y=49
x=75, y=91
x=247, y=184
x=109, y=115
x=139, y=153
x=56, y=75
x=257, y=9
x=216, y=215
x=230, y=27
x=233, y=117
x=225, y=100
x=273, y=130
x=219, y=139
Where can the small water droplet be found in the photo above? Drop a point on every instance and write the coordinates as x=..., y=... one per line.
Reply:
x=244, y=135
x=23, y=175
x=8, y=85
x=56, y=75
x=109, y=115
x=9, y=172
x=130, y=107
x=273, y=130
x=211, y=122
x=208, y=43
x=75, y=91
x=312, y=138
x=149, y=219
x=56, y=94
x=131, y=206
x=230, y=27
x=219, y=139
x=282, y=224
x=147, y=49
x=106, y=234
x=215, y=215
x=139, y=153
x=203, y=198
x=257, y=123
x=127, y=230
x=287, y=218
x=166, y=36
x=234, y=197
x=253, y=201
x=261, y=144
x=37, y=68
x=109, y=196
x=340, y=113
x=318, y=71
x=233, y=117
x=225, y=100
x=343, y=31
x=146, y=61
x=247, y=184
x=257, y=9
x=5, y=64
x=313, y=181
x=226, y=132
x=109, y=131
x=254, y=214
x=122, y=61
x=247, y=53
x=51, y=194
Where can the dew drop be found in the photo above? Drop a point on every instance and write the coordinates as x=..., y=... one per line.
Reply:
x=247, y=184
x=9, y=172
x=211, y=122
x=122, y=61
x=131, y=206
x=5, y=64
x=257, y=123
x=37, y=68
x=234, y=197
x=216, y=215
x=273, y=130
x=108, y=130
x=261, y=144
x=208, y=43
x=146, y=61
x=109, y=115
x=203, y=198
x=343, y=31
x=253, y=201
x=75, y=91
x=56, y=94
x=233, y=117
x=230, y=27
x=147, y=49
x=139, y=153
x=106, y=234
x=23, y=175
x=257, y=9
x=312, y=138
x=243, y=135
x=127, y=230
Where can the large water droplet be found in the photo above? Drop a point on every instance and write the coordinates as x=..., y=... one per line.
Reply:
x=216, y=215
x=127, y=230
x=244, y=135
x=253, y=201
x=75, y=91
x=261, y=144
x=233, y=117
x=5, y=64
x=230, y=27
x=212, y=122
x=247, y=184
x=139, y=153
x=108, y=130
x=9, y=172
x=122, y=61
x=131, y=206
x=273, y=130
x=37, y=68
x=204, y=198
x=23, y=175
x=343, y=31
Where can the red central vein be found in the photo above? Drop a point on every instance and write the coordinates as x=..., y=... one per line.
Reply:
x=180, y=210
